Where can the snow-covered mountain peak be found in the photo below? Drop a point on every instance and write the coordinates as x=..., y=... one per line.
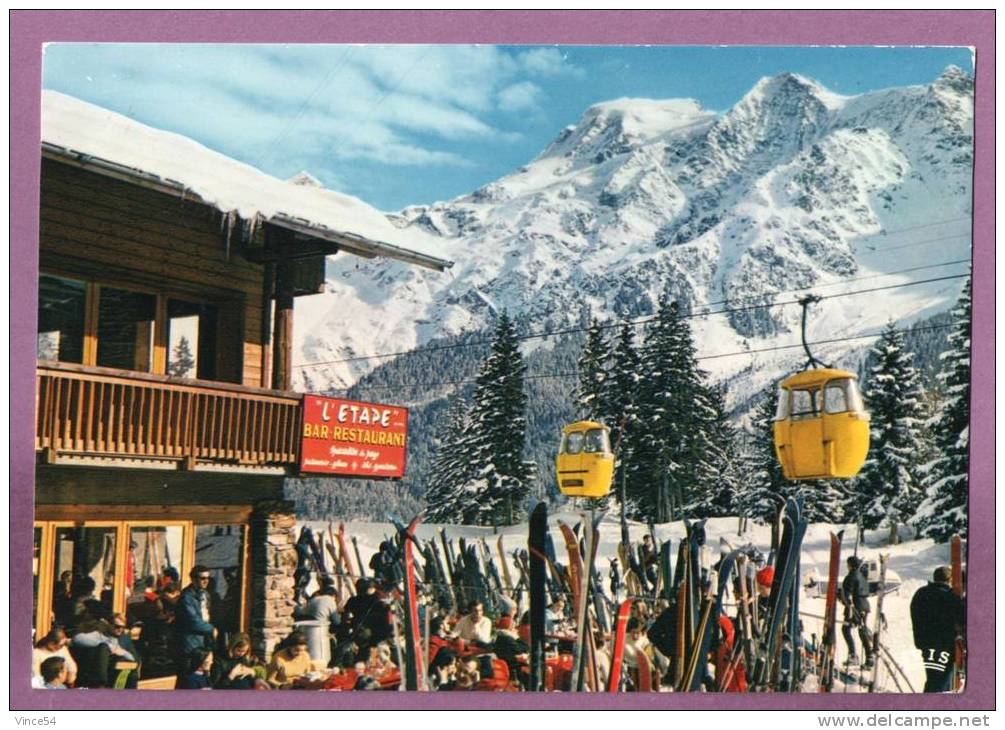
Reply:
x=793, y=187
x=616, y=127
x=955, y=78
x=792, y=85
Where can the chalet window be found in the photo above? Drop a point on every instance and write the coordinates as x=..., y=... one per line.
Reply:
x=98, y=323
x=126, y=329
x=221, y=549
x=152, y=549
x=191, y=339
x=84, y=560
x=61, y=313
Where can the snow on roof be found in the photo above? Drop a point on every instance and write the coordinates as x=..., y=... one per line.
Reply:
x=225, y=183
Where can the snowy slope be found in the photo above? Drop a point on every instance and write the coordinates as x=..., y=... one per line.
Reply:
x=913, y=561
x=793, y=187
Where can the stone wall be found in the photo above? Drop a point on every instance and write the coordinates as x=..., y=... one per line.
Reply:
x=273, y=563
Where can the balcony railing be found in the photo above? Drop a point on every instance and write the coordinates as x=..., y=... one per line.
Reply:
x=108, y=413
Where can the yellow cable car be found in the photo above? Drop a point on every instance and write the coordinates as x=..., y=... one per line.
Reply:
x=821, y=427
x=585, y=463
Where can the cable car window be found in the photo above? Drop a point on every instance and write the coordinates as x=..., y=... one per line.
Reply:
x=782, y=412
x=804, y=403
x=573, y=443
x=594, y=441
x=854, y=397
x=835, y=397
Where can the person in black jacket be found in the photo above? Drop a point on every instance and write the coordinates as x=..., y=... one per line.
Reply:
x=367, y=615
x=937, y=617
x=855, y=598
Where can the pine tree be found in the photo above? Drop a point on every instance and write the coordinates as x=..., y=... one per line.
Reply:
x=182, y=363
x=943, y=513
x=451, y=467
x=497, y=491
x=621, y=386
x=719, y=470
x=766, y=483
x=673, y=413
x=593, y=375
x=889, y=486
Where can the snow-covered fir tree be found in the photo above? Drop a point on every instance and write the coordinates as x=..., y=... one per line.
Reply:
x=673, y=413
x=943, y=513
x=889, y=488
x=451, y=467
x=765, y=484
x=592, y=369
x=720, y=462
x=498, y=489
x=621, y=385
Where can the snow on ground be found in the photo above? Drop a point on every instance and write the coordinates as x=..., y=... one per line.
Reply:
x=913, y=561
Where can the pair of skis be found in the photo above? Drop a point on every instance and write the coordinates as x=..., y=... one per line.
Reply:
x=772, y=669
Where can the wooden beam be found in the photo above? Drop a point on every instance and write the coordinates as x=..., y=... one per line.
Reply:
x=282, y=348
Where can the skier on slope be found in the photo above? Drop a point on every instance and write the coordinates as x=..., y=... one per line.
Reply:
x=937, y=617
x=854, y=597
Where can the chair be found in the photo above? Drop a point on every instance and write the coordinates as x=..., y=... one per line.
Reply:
x=94, y=665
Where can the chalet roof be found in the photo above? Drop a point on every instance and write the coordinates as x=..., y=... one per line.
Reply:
x=113, y=144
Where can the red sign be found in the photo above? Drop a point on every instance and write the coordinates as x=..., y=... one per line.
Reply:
x=350, y=438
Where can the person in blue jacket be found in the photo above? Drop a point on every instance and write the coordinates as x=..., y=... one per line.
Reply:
x=193, y=626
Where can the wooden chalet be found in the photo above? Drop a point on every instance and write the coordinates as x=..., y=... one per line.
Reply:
x=165, y=421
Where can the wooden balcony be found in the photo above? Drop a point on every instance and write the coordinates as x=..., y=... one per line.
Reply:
x=109, y=414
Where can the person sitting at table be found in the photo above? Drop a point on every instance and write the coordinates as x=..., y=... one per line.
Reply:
x=554, y=615
x=291, y=665
x=53, y=644
x=238, y=668
x=467, y=675
x=443, y=669
x=437, y=636
x=54, y=672
x=508, y=645
x=200, y=664
x=379, y=662
x=475, y=627
x=636, y=642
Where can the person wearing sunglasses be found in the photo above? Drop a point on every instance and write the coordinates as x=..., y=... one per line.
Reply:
x=193, y=625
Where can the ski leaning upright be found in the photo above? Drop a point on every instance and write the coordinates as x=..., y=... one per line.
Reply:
x=960, y=653
x=828, y=639
x=537, y=574
x=779, y=610
x=414, y=664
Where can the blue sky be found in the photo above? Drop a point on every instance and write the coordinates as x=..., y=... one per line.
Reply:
x=403, y=125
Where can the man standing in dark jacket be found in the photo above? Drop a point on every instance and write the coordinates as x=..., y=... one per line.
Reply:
x=937, y=617
x=855, y=597
x=192, y=619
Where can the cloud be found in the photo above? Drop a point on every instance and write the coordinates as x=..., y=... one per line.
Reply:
x=271, y=104
x=548, y=62
x=519, y=97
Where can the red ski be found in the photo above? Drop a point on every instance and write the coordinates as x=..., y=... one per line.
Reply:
x=645, y=683
x=618, y=651
x=828, y=637
x=575, y=564
x=414, y=663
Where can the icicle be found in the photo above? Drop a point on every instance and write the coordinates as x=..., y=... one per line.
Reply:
x=229, y=220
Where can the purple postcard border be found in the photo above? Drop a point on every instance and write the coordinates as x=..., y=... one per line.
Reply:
x=29, y=30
